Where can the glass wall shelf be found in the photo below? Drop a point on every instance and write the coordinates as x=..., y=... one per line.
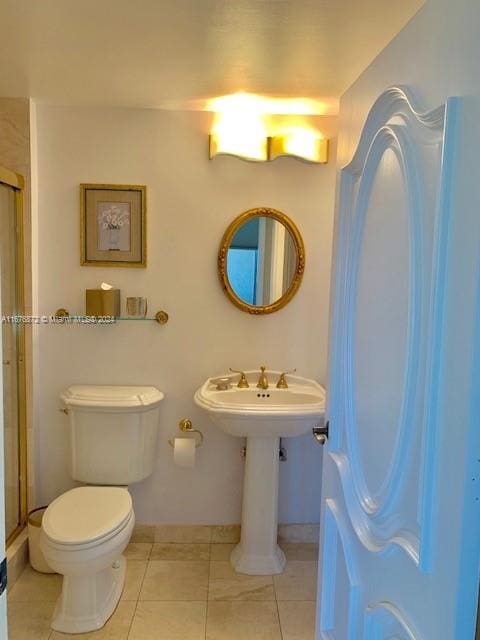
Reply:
x=62, y=316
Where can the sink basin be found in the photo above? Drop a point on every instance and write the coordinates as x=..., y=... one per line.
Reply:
x=256, y=413
x=263, y=416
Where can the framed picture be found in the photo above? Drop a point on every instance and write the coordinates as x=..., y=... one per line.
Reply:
x=113, y=225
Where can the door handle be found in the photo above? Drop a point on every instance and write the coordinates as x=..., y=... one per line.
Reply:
x=321, y=433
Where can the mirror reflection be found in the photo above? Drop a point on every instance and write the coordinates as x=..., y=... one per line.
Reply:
x=261, y=261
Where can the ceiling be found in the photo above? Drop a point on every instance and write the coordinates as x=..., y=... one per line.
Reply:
x=175, y=53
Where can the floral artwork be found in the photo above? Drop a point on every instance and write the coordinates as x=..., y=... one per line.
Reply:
x=113, y=225
x=113, y=219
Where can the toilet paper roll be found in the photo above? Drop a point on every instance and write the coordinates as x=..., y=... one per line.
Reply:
x=184, y=452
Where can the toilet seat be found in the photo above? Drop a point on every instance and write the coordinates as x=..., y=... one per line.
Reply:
x=87, y=516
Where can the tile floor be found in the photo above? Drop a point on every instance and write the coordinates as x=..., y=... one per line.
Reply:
x=184, y=592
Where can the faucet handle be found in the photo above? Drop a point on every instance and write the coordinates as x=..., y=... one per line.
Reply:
x=282, y=383
x=243, y=382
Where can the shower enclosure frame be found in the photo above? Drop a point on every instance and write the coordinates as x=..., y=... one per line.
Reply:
x=17, y=183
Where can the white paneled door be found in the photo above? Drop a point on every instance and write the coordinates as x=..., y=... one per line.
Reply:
x=400, y=504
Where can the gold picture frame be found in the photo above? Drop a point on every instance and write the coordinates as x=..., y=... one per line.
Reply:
x=113, y=225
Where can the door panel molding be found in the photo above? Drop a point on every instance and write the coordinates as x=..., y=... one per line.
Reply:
x=339, y=567
x=383, y=516
x=384, y=621
x=387, y=138
x=375, y=537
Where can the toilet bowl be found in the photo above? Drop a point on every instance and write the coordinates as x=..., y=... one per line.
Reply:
x=84, y=533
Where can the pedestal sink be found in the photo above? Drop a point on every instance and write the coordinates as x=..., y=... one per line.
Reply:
x=263, y=416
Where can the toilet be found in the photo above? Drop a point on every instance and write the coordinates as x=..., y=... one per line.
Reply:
x=113, y=434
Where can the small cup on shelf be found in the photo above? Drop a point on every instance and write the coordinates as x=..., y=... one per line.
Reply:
x=137, y=306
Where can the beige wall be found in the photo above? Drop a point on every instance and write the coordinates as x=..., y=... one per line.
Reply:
x=15, y=135
x=191, y=200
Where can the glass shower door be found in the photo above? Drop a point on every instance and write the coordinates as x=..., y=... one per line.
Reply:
x=11, y=360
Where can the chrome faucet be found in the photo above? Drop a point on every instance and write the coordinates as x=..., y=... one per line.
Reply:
x=262, y=380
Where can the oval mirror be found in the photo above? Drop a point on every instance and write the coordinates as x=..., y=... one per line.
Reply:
x=261, y=260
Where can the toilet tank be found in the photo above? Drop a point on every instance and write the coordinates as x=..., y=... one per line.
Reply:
x=113, y=432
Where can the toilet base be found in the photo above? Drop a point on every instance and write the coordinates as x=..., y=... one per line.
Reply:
x=88, y=601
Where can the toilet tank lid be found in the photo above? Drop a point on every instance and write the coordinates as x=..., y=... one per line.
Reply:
x=91, y=395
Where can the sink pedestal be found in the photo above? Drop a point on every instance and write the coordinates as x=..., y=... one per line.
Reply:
x=258, y=552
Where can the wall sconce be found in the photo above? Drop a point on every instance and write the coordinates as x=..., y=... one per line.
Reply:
x=240, y=129
x=305, y=144
x=248, y=147
x=244, y=127
x=300, y=143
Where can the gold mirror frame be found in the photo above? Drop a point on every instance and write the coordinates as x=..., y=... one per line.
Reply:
x=299, y=266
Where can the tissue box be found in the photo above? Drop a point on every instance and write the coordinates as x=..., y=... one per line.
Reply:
x=103, y=303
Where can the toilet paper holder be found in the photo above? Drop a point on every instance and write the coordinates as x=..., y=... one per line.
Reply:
x=186, y=426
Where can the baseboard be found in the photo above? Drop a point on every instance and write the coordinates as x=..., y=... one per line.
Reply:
x=306, y=533
x=217, y=534
x=17, y=557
